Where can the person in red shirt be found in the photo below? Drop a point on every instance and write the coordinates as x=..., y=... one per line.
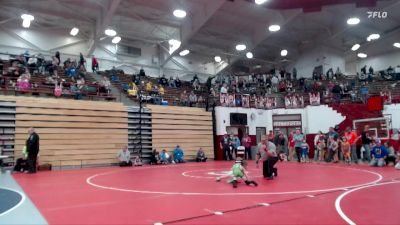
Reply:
x=291, y=145
x=246, y=142
x=351, y=137
x=95, y=64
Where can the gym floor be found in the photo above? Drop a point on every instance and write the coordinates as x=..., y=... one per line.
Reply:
x=188, y=193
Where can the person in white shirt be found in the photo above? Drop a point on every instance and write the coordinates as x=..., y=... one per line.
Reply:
x=124, y=157
x=316, y=141
x=224, y=90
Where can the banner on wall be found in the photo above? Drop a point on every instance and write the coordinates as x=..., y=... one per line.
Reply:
x=294, y=101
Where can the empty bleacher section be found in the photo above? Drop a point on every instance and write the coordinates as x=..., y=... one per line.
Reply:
x=72, y=133
x=191, y=128
x=7, y=130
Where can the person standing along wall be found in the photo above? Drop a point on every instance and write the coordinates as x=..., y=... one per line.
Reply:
x=32, y=147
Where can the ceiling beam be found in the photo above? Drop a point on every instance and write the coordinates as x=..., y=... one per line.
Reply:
x=101, y=26
x=193, y=24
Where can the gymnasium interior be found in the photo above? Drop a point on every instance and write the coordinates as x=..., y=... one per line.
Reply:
x=199, y=112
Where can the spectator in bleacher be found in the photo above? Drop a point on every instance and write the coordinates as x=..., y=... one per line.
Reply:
x=184, y=98
x=192, y=99
x=379, y=154
x=224, y=89
x=337, y=92
x=124, y=157
x=95, y=64
x=81, y=60
x=201, y=156
x=178, y=155
x=105, y=85
x=178, y=83
x=67, y=63
x=196, y=84
x=154, y=91
x=161, y=90
x=162, y=80
x=149, y=86
x=194, y=79
x=133, y=90
x=171, y=82
x=54, y=65
x=23, y=83
x=57, y=55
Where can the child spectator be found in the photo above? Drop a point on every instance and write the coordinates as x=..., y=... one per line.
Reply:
x=304, y=151
x=178, y=155
x=346, y=150
x=124, y=157
x=201, y=156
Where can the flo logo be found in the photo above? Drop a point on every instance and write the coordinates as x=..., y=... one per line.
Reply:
x=377, y=14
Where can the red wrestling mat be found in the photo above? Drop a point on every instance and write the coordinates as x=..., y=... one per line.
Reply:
x=189, y=194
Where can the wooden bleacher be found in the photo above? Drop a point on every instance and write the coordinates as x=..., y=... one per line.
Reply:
x=191, y=128
x=72, y=133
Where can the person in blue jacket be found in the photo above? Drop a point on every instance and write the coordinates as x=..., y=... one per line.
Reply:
x=379, y=154
x=178, y=155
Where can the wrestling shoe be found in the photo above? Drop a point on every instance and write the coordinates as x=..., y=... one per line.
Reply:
x=234, y=184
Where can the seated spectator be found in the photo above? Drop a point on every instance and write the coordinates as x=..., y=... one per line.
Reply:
x=164, y=157
x=132, y=91
x=192, y=99
x=50, y=80
x=155, y=157
x=171, y=82
x=21, y=164
x=23, y=83
x=184, y=98
x=105, y=85
x=391, y=157
x=149, y=86
x=178, y=82
x=124, y=157
x=224, y=89
x=161, y=90
x=379, y=154
x=178, y=155
x=201, y=156
x=154, y=91
x=163, y=81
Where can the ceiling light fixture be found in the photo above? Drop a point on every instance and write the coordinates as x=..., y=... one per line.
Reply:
x=179, y=13
x=284, y=52
x=184, y=52
x=116, y=40
x=249, y=55
x=274, y=28
x=355, y=47
x=110, y=32
x=373, y=37
x=259, y=2
x=74, y=31
x=240, y=47
x=26, y=20
x=362, y=55
x=217, y=59
x=353, y=21
x=397, y=45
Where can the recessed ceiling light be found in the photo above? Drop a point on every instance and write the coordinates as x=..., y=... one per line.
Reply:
x=110, y=32
x=184, y=52
x=240, y=47
x=217, y=59
x=355, y=47
x=353, y=21
x=27, y=17
x=284, y=52
x=259, y=2
x=373, y=37
x=179, y=13
x=26, y=23
x=362, y=55
x=249, y=55
x=274, y=28
x=74, y=31
x=397, y=45
x=116, y=39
